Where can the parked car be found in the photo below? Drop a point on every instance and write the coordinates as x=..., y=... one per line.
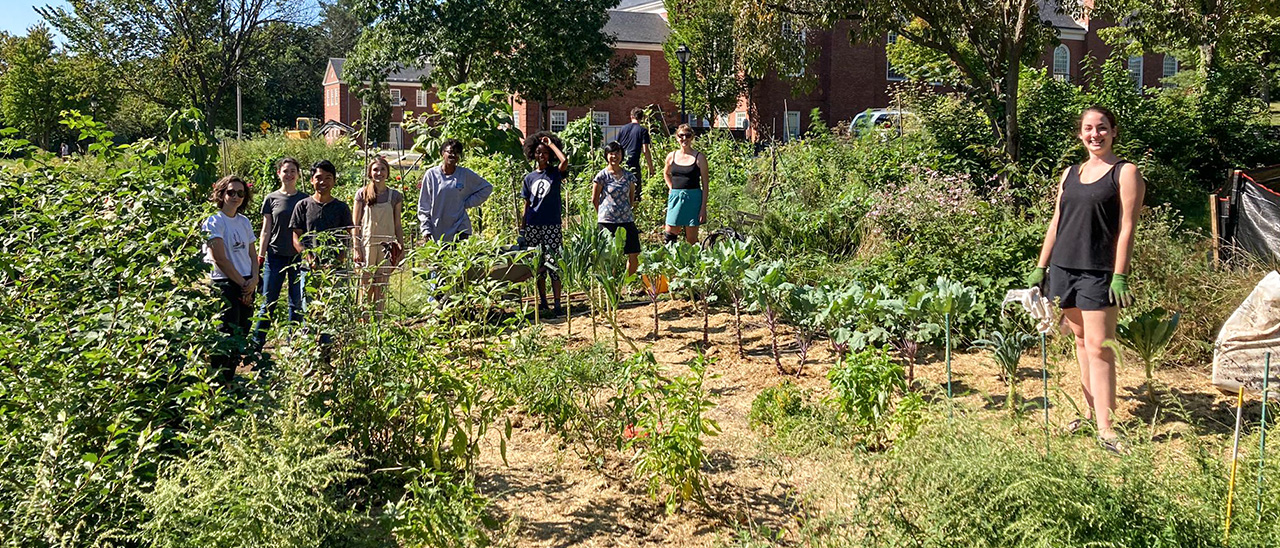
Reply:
x=883, y=120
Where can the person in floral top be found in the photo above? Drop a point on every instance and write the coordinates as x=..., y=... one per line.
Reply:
x=613, y=190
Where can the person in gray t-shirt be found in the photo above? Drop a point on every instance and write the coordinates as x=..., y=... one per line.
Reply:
x=448, y=190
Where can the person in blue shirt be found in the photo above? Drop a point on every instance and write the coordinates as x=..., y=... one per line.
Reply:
x=448, y=191
x=543, y=209
x=635, y=140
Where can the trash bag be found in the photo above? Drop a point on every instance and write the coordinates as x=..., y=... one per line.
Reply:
x=1253, y=330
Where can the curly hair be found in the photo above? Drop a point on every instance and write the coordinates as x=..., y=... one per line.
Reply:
x=221, y=187
x=531, y=143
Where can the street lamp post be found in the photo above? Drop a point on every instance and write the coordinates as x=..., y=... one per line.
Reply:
x=682, y=55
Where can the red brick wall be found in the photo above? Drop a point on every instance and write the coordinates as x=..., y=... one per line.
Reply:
x=659, y=92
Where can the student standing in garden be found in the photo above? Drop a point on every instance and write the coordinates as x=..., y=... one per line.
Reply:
x=448, y=191
x=321, y=220
x=687, y=181
x=379, y=234
x=635, y=140
x=277, y=258
x=1087, y=251
x=544, y=209
x=613, y=191
x=229, y=248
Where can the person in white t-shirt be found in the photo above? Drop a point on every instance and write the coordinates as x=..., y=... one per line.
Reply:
x=229, y=247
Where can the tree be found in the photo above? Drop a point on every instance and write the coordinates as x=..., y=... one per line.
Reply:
x=988, y=42
x=714, y=81
x=520, y=46
x=176, y=53
x=38, y=83
x=1207, y=28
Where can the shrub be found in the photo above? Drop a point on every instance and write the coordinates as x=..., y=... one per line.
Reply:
x=960, y=483
x=255, y=160
x=255, y=484
x=864, y=385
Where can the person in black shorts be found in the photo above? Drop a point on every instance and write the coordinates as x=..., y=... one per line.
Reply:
x=613, y=191
x=544, y=210
x=1087, y=251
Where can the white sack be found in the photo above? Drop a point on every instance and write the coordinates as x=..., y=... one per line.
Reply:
x=1251, y=331
x=1036, y=305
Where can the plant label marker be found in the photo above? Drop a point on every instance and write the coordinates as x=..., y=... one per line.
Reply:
x=1044, y=376
x=1262, y=431
x=1235, y=453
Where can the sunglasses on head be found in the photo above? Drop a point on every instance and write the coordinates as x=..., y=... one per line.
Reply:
x=236, y=193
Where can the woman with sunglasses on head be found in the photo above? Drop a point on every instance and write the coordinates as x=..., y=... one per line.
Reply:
x=277, y=258
x=1087, y=251
x=377, y=222
x=687, y=179
x=229, y=248
x=613, y=191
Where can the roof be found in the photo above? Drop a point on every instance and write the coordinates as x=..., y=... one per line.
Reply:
x=637, y=27
x=644, y=6
x=1051, y=12
x=413, y=75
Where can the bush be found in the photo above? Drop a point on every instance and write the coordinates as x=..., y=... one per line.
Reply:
x=255, y=160
x=104, y=327
x=864, y=386
x=258, y=484
x=961, y=484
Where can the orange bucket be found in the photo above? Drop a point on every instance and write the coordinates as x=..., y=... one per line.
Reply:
x=649, y=285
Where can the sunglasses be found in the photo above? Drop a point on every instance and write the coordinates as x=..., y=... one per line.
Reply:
x=234, y=193
x=684, y=136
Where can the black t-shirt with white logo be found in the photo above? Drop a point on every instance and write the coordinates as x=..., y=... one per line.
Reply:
x=542, y=190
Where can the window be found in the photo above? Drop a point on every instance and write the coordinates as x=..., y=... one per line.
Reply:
x=1135, y=70
x=1170, y=68
x=601, y=118
x=891, y=74
x=559, y=119
x=800, y=37
x=642, y=70
x=396, y=99
x=740, y=120
x=793, y=124
x=421, y=97
x=722, y=120
x=1062, y=62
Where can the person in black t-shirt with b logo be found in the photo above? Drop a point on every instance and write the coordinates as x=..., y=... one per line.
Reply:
x=1087, y=251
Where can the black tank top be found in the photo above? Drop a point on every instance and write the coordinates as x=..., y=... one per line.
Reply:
x=686, y=177
x=1088, y=221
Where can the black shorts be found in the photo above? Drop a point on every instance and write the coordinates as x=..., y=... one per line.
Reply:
x=630, y=231
x=1083, y=289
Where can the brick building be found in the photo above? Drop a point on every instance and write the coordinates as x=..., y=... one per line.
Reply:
x=851, y=78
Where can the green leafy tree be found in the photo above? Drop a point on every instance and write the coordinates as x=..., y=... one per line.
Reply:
x=176, y=53
x=542, y=52
x=987, y=42
x=479, y=116
x=714, y=82
x=39, y=82
x=1217, y=32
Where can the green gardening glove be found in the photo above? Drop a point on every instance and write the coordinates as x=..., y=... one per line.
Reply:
x=1035, y=277
x=1119, y=291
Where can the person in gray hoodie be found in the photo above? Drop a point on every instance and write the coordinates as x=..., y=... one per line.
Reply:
x=448, y=191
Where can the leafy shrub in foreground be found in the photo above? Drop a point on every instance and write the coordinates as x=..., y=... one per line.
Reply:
x=864, y=385
x=959, y=483
x=260, y=484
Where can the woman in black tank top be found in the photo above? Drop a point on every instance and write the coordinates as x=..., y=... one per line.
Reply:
x=687, y=189
x=1087, y=251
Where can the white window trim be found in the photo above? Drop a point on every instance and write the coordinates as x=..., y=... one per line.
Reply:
x=1065, y=52
x=397, y=98
x=1130, y=67
x=889, y=73
x=740, y=120
x=596, y=116
x=420, y=97
x=551, y=119
x=644, y=77
x=792, y=131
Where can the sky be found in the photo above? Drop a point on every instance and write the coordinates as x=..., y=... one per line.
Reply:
x=17, y=15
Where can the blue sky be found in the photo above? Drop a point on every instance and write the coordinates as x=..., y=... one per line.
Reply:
x=21, y=14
